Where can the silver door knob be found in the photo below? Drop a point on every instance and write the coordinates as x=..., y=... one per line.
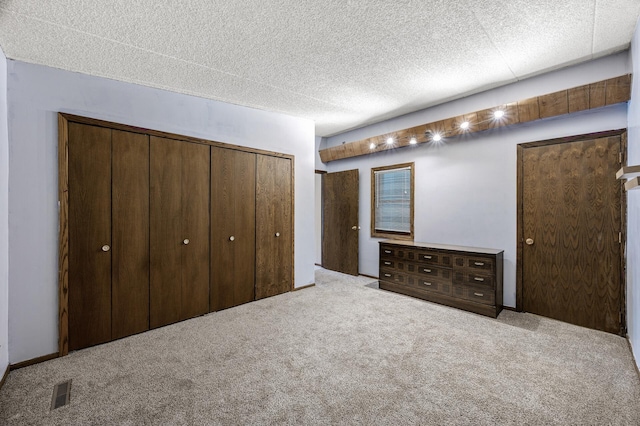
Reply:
x=529, y=241
x=232, y=238
x=185, y=241
x=277, y=234
x=355, y=228
x=106, y=247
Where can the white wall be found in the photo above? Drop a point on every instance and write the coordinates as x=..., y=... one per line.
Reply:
x=4, y=219
x=35, y=95
x=466, y=187
x=633, y=207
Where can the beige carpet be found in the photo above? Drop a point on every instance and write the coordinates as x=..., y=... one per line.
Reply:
x=343, y=352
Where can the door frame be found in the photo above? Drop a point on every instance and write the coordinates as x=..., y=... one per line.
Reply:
x=63, y=203
x=520, y=208
x=321, y=207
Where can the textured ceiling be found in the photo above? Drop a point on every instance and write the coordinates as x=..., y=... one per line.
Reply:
x=341, y=63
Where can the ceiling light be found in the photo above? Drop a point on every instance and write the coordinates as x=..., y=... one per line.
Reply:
x=437, y=137
x=372, y=146
x=464, y=125
x=390, y=141
x=413, y=141
x=498, y=114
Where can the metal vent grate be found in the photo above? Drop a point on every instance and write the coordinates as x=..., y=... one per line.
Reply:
x=61, y=394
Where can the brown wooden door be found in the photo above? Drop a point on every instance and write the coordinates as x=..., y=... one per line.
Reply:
x=571, y=219
x=179, y=232
x=89, y=235
x=340, y=228
x=274, y=226
x=233, y=227
x=195, y=227
x=130, y=233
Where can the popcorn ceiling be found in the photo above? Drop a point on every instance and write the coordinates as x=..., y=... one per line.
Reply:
x=343, y=64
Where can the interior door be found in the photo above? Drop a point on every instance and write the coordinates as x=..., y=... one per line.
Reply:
x=274, y=226
x=195, y=216
x=179, y=240
x=571, y=220
x=130, y=233
x=340, y=227
x=89, y=235
x=166, y=238
x=233, y=227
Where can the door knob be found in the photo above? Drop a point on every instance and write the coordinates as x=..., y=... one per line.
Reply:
x=106, y=247
x=185, y=241
x=232, y=238
x=354, y=228
x=529, y=241
x=277, y=234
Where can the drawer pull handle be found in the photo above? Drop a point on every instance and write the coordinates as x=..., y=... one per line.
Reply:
x=478, y=294
x=427, y=257
x=479, y=279
x=388, y=251
x=479, y=263
x=387, y=263
x=428, y=271
x=387, y=275
x=426, y=283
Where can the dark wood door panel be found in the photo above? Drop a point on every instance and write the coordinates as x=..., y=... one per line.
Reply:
x=130, y=233
x=340, y=198
x=166, y=234
x=572, y=216
x=274, y=226
x=89, y=231
x=233, y=180
x=195, y=228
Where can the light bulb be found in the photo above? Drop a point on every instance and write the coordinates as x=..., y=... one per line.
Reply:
x=372, y=146
x=498, y=114
x=465, y=125
x=413, y=141
x=437, y=137
x=390, y=141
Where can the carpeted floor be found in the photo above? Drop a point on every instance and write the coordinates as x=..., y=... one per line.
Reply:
x=343, y=352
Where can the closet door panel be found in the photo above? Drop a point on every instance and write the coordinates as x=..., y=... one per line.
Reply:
x=274, y=228
x=195, y=228
x=245, y=226
x=130, y=233
x=232, y=227
x=166, y=234
x=89, y=232
x=284, y=223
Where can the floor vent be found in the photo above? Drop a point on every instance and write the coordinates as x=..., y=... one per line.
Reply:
x=61, y=394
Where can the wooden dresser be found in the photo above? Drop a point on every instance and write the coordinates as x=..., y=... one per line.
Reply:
x=468, y=278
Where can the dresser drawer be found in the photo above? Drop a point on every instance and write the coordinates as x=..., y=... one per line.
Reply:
x=434, y=258
x=433, y=272
x=399, y=265
x=431, y=284
x=403, y=253
x=475, y=263
x=393, y=276
x=479, y=278
x=475, y=294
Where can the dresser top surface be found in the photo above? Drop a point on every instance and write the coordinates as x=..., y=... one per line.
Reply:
x=414, y=244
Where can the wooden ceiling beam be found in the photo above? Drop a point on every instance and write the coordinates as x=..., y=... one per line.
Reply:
x=589, y=96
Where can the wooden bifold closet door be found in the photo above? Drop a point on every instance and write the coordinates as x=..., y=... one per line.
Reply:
x=179, y=230
x=233, y=224
x=155, y=229
x=108, y=234
x=274, y=226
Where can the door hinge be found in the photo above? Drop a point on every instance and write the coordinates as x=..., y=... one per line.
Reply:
x=620, y=157
x=619, y=237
